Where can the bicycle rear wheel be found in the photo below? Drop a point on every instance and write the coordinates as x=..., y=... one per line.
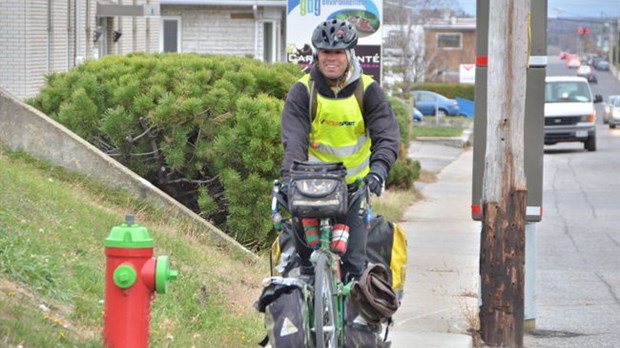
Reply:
x=325, y=321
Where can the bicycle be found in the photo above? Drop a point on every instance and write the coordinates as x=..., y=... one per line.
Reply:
x=326, y=303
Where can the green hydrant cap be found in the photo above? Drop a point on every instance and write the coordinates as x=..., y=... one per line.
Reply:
x=124, y=276
x=163, y=274
x=129, y=235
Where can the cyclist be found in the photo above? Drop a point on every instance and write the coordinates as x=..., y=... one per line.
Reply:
x=363, y=134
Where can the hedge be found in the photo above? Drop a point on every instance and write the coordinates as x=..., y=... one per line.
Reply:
x=203, y=128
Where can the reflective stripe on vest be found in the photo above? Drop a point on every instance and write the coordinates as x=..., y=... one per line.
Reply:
x=338, y=133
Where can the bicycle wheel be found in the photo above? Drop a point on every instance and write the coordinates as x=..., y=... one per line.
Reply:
x=325, y=321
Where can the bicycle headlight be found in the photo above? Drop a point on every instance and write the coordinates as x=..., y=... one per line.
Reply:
x=316, y=187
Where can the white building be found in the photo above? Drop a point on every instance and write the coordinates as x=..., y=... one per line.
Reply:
x=39, y=37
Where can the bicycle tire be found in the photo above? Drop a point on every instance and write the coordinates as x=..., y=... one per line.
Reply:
x=325, y=306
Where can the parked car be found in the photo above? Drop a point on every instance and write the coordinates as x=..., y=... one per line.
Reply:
x=569, y=111
x=417, y=115
x=587, y=72
x=614, y=115
x=573, y=62
x=602, y=65
x=430, y=103
x=607, y=108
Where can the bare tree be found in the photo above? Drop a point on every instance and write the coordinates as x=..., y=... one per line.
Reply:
x=405, y=20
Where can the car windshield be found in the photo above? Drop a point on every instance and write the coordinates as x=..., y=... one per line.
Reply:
x=567, y=91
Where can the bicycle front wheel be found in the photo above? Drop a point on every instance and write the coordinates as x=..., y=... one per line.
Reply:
x=325, y=321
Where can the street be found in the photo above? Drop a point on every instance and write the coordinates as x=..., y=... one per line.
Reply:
x=578, y=240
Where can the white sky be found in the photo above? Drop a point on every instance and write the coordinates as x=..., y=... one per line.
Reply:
x=567, y=8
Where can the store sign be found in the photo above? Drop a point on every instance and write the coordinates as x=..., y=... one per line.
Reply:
x=365, y=15
x=467, y=73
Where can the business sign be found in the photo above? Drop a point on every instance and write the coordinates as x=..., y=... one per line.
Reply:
x=467, y=73
x=366, y=15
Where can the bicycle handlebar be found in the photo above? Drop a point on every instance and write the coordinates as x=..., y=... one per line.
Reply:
x=280, y=199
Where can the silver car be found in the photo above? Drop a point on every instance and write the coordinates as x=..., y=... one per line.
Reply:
x=614, y=114
x=607, y=108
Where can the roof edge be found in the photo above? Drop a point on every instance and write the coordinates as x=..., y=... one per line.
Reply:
x=263, y=3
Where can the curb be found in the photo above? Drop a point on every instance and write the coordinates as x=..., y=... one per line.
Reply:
x=463, y=141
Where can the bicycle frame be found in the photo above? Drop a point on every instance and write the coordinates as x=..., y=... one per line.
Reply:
x=326, y=304
x=339, y=290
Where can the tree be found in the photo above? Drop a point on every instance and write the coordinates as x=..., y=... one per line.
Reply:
x=405, y=20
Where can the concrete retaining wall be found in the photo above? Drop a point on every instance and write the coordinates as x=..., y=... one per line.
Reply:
x=23, y=128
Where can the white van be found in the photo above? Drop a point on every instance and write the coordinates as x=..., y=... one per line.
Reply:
x=569, y=111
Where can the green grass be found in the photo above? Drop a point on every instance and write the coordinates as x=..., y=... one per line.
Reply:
x=431, y=131
x=52, y=266
x=441, y=127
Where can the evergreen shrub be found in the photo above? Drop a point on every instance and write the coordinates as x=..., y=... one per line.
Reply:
x=203, y=128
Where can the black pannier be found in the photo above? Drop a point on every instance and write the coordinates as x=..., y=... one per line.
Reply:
x=317, y=190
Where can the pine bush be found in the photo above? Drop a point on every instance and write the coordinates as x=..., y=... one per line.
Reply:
x=203, y=128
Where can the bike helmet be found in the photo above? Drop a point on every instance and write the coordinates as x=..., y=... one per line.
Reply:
x=334, y=34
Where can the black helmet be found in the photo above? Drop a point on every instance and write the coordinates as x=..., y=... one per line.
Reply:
x=334, y=34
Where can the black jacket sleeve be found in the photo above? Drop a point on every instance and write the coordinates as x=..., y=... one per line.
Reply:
x=382, y=127
x=295, y=127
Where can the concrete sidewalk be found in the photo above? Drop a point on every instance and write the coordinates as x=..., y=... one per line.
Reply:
x=441, y=290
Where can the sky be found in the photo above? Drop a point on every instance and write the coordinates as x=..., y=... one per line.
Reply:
x=567, y=8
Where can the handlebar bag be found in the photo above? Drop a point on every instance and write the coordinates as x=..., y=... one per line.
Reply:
x=318, y=190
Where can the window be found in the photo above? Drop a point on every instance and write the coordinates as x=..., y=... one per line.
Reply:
x=449, y=41
x=567, y=91
x=170, y=34
x=270, y=42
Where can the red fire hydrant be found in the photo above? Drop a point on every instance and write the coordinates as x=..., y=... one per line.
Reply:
x=132, y=277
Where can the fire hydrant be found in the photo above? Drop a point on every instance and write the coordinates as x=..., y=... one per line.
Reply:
x=132, y=277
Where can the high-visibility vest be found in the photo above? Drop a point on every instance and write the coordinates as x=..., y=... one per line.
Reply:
x=338, y=132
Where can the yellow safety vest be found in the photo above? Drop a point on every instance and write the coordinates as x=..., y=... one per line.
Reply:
x=338, y=133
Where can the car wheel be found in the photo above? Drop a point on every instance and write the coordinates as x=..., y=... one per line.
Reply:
x=590, y=143
x=612, y=126
x=441, y=112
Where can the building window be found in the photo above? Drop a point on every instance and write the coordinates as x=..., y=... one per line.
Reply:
x=170, y=34
x=450, y=41
x=270, y=42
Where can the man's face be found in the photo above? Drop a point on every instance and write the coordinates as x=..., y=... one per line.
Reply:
x=333, y=63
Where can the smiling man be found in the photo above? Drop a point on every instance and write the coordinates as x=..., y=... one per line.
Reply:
x=338, y=114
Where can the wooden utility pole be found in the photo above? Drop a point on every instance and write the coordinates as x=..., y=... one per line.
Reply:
x=504, y=196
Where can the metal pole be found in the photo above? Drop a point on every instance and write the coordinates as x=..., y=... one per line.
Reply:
x=529, y=316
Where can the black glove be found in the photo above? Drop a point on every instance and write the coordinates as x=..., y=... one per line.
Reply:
x=375, y=178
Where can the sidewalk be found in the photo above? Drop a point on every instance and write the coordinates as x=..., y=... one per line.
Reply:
x=441, y=290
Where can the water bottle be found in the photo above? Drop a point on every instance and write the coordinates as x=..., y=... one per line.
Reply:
x=369, y=217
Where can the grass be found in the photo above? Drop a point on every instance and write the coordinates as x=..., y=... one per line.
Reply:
x=52, y=263
x=441, y=126
x=392, y=204
x=440, y=131
x=52, y=266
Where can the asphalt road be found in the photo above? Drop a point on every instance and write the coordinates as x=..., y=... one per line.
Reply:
x=578, y=240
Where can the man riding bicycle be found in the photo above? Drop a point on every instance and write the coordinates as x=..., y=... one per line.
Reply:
x=335, y=113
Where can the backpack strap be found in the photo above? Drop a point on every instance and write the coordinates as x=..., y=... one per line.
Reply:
x=312, y=106
x=359, y=96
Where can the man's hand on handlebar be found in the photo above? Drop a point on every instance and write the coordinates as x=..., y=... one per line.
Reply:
x=376, y=178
